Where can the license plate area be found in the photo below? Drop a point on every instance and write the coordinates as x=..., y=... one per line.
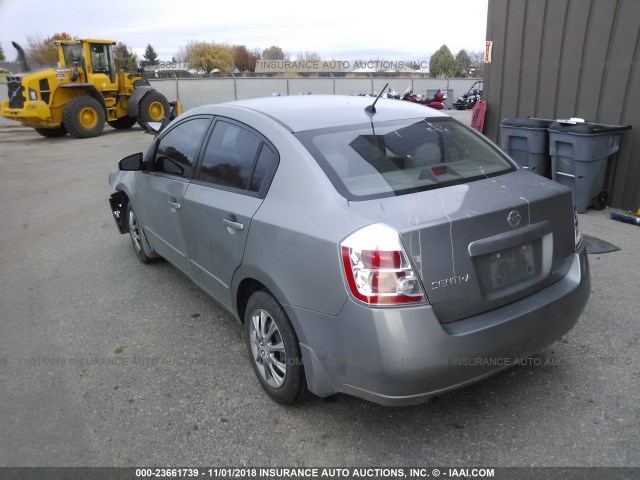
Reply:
x=507, y=271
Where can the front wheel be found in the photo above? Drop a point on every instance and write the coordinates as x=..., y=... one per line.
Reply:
x=83, y=117
x=153, y=107
x=274, y=349
x=137, y=238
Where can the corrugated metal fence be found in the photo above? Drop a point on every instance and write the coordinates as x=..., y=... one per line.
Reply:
x=194, y=92
x=201, y=91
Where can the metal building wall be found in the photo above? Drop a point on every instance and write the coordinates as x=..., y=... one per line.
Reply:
x=569, y=58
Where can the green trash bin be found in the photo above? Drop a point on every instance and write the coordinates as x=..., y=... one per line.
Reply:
x=526, y=141
x=581, y=155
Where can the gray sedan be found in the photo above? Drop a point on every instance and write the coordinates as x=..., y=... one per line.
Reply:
x=389, y=253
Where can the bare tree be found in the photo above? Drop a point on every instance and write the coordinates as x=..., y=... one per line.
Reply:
x=308, y=57
x=477, y=63
x=43, y=51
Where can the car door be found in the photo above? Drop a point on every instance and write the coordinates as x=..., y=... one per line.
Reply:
x=231, y=181
x=161, y=190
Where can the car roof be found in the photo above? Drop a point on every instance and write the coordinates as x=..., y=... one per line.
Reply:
x=310, y=112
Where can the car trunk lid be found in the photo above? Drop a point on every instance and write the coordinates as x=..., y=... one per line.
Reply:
x=484, y=244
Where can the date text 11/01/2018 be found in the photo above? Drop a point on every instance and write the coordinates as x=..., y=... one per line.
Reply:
x=271, y=472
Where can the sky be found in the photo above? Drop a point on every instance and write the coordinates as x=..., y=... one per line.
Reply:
x=339, y=30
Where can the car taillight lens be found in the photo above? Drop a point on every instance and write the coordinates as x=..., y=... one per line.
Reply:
x=377, y=268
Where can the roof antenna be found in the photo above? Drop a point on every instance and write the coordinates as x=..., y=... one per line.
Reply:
x=372, y=108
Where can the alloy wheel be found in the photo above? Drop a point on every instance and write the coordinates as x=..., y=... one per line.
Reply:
x=267, y=348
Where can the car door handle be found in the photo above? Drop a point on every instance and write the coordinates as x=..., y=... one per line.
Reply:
x=235, y=225
x=175, y=205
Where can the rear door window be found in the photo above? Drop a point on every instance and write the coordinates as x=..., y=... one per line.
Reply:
x=237, y=158
x=229, y=156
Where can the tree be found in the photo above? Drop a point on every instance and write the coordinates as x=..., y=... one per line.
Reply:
x=125, y=57
x=44, y=51
x=207, y=57
x=245, y=60
x=273, y=53
x=477, y=63
x=442, y=63
x=150, y=57
x=183, y=52
x=2, y=57
x=308, y=57
x=463, y=64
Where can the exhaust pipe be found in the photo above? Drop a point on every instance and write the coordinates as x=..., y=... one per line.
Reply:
x=22, y=57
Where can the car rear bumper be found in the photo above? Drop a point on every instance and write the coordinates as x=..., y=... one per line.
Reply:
x=404, y=356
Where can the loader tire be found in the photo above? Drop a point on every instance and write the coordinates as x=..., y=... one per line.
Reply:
x=52, y=132
x=153, y=107
x=83, y=117
x=122, y=123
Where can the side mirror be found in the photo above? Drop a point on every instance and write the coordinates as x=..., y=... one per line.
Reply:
x=131, y=163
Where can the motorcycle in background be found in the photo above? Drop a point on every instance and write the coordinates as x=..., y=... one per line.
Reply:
x=469, y=99
x=388, y=94
x=436, y=102
x=391, y=94
x=409, y=96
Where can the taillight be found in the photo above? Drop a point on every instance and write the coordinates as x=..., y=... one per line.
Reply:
x=377, y=268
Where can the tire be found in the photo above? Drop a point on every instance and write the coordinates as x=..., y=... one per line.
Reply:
x=52, y=132
x=138, y=242
x=153, y=107
x=274, y=349
x=122, y=123
x=83, y=117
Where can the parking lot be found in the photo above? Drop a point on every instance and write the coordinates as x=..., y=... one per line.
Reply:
x=108, y=362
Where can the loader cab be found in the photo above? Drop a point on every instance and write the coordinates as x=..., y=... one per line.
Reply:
x=94, y=57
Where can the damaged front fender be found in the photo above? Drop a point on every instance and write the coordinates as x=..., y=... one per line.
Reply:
x=118, y=202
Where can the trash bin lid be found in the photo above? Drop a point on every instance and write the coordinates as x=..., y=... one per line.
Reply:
x=533, y=123
x=587, y=128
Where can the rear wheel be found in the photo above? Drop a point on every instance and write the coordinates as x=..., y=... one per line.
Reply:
x=153, y=107
x=122, y=123
x=274, y=349
x=83, y=117
x=52, y=132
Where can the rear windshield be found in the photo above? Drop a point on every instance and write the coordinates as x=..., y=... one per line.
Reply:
x=399, y=157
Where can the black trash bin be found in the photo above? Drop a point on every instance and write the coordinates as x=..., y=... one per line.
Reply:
x=580, y=154
x=526, y=140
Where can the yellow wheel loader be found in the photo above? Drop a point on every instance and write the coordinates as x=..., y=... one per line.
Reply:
x=82, y=93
